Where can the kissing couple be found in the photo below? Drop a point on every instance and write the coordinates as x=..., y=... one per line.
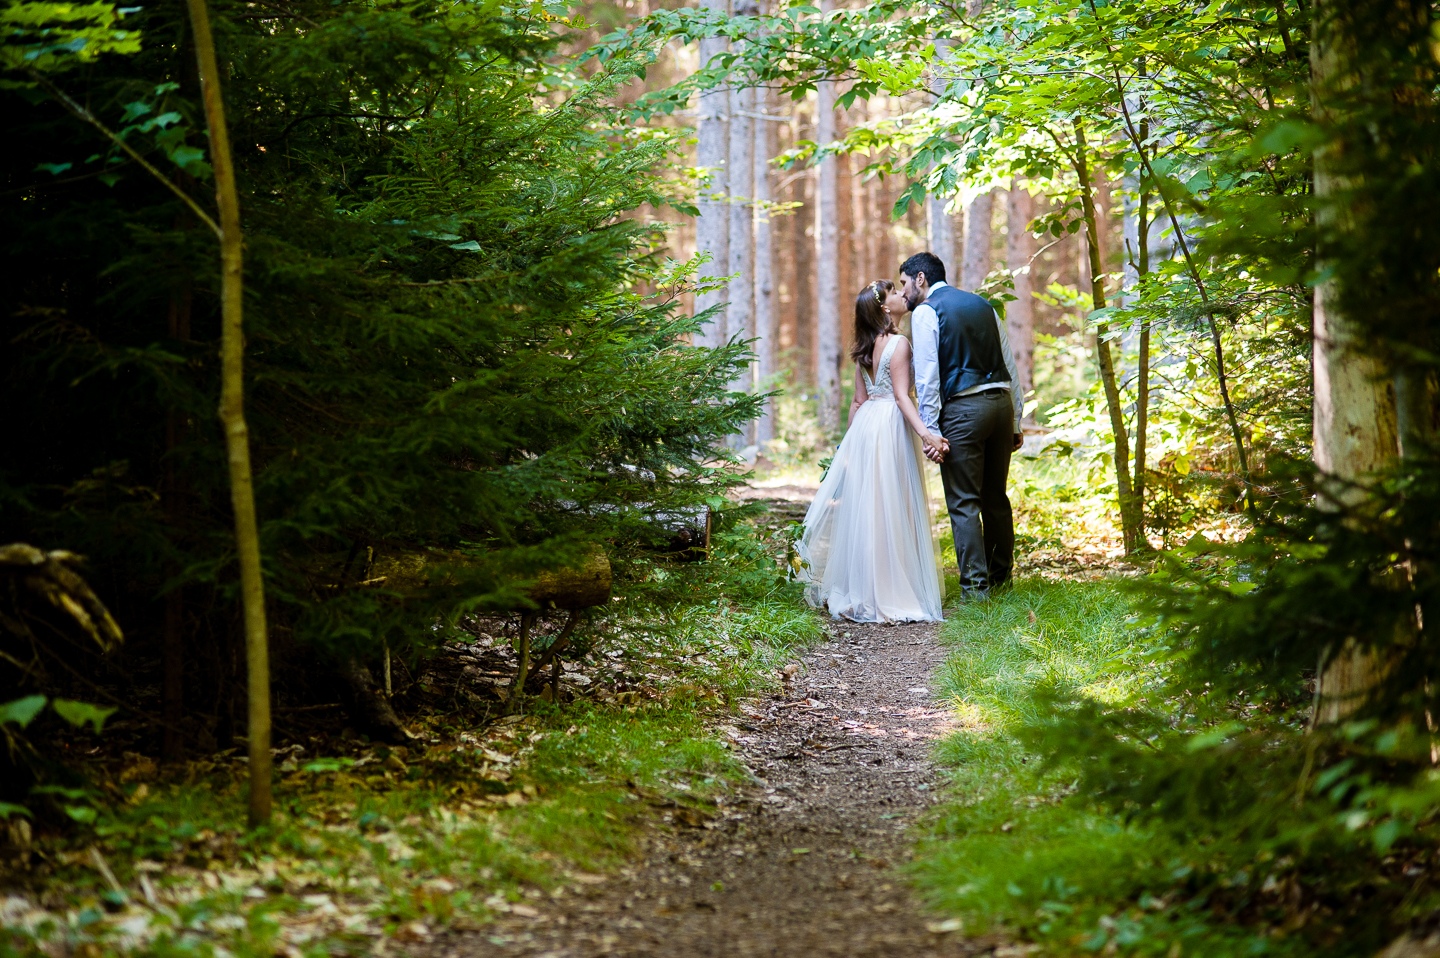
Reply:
x=869, y=549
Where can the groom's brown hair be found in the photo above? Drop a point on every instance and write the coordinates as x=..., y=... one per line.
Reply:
x=927, y=263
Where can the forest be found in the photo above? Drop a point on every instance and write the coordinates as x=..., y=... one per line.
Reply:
x=411, y=412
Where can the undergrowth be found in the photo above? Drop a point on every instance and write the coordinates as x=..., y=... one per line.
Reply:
x=1103, y=802
x=397, y=844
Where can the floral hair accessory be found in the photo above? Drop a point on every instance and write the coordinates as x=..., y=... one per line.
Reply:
x=875, y=288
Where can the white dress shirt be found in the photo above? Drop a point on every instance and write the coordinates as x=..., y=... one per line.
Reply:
x=925, y=331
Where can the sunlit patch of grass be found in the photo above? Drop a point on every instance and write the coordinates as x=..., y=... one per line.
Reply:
x=1011, y=848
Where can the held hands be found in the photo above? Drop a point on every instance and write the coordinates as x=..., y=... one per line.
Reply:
x=936, y=447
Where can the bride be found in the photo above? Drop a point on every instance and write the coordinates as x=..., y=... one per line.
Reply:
x=868, y=550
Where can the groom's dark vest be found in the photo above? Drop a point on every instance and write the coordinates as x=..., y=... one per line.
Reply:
x=969, y=342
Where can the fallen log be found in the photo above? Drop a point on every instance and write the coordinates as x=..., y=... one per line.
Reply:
x=579, y=586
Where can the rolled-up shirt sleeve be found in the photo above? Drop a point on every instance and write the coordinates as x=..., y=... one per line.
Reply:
x=1017, y=395
x=925, y=330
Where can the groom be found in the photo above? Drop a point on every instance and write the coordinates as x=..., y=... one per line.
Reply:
x=965, y=381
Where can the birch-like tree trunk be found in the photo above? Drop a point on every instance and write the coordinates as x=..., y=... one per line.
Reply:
x=765, y=326
x=1130, y=524
x=1355, y=429
x=827, y=262
x=739, y=313
x=232, y=418
x=940, y=223
x=1020, y=312
x=712, y=154
x=979, y=237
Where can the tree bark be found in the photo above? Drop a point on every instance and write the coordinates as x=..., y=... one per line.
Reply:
x=827, y=253
x=1130, y=529
x=941, y=226
x=739, y=315
x=1020, y=314
x=1355, y=419
x=712, y=155
x=979, y=237
x=765, y=325
x=516, y=699
x=232, y=416
x=369, y=707
x=1142, y=374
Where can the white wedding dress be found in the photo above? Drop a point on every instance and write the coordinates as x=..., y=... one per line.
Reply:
x=869, y=553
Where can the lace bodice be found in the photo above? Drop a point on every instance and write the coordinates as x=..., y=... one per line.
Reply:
x=881, y=387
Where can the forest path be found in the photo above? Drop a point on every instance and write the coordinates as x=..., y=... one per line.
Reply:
x=806, y=859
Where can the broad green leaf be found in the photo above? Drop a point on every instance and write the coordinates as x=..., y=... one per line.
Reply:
x=22, y=711
x=78, y=713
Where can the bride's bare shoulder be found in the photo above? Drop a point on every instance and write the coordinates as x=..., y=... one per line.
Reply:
x=902, y=345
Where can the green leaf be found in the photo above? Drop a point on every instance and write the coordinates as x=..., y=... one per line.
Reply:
x=7, y=809
x=22, y=711
x=1286, y=136
x=189, y=158
x=81, y=813
x=1385, y=835
x=1213, y=737
x=78, y=713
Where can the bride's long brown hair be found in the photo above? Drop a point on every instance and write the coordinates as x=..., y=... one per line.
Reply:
x=871, y=321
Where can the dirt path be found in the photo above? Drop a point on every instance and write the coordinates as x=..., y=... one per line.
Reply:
x=805, y=862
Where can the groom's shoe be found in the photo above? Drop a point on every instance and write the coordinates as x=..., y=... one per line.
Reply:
x=971, y=596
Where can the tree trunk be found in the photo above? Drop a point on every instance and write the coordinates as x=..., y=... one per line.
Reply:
x=711, y=155
x=827, y=262
x=369, y=707
x=1130, y=529
x=741, y=296
x=941, y=225
x=979, y=236
x=232, y=416
x=1020, y=314
x=765, y=325
x=516, y=698
x=1142, y=375
x=1355, y=427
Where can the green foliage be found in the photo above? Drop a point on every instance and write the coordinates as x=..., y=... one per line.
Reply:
x=1105, y=797
x=438, y=837
x=1198, y=107
x=446, y=352
x=52, y=37
x=22, y=711
x=79, y=714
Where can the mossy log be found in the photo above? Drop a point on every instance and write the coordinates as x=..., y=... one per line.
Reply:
x=580, y=586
